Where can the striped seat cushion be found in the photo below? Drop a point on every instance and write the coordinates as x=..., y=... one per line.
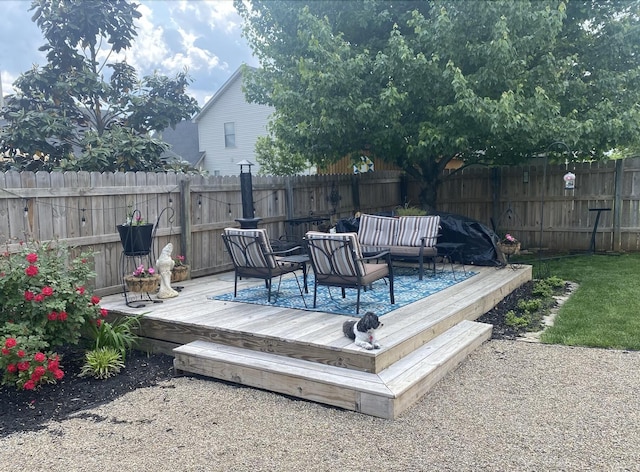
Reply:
x=377, y=230
x=411, y=230
x=331, y=254
x=247, y=251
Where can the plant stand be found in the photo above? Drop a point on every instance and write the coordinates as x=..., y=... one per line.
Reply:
x=178, y=274
x=137, y=241
x=509, y=250
x=134, y=294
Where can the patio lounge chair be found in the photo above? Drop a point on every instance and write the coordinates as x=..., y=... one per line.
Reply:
x=337, y=261
x=253, y=257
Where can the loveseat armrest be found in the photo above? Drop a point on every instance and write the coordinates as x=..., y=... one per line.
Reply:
x=430, y=241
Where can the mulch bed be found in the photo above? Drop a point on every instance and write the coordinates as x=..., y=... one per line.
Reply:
x=22, y=410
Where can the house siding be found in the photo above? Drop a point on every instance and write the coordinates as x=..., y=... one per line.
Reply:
x=250, y=121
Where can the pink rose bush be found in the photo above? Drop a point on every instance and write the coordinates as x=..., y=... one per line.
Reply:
x=45, y=303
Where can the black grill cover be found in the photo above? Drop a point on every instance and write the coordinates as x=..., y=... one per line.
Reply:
x=480, y=240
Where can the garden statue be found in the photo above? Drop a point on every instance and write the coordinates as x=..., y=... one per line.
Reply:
x=164, y=264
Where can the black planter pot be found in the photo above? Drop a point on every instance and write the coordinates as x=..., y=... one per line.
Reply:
x=136, y=240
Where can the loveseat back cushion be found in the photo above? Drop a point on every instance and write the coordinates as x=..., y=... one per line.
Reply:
x=250, y=247
x=411, y=230
x=377, y=230
x=335, y=254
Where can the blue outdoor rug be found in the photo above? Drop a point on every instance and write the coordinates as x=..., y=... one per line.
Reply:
x=407, y=289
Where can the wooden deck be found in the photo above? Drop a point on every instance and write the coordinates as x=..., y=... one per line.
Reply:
x=305, y=354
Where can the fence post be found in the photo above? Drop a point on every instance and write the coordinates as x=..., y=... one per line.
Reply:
x=288, y=195
x=185, y=220
x=496, y=193
x=617, y=203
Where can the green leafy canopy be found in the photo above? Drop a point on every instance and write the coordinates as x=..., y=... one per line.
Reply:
x=66, y=115
x=421, y=82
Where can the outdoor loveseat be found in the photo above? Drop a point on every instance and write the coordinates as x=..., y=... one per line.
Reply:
x=406, y=237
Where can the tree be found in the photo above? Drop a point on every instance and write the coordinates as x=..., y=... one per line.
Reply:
x=67, y=116
x=421, y=83
x=275, y=159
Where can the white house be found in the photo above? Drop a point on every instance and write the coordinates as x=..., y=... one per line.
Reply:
x=228, y=127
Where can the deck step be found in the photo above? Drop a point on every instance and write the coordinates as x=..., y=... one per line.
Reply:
x=385, y=395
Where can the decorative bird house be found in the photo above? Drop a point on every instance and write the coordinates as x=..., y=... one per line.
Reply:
x=569, y=181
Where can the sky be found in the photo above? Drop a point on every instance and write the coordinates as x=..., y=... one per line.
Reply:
x=203, y=35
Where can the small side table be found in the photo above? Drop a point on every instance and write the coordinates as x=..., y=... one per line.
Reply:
x=451, y=252
x=302, y=260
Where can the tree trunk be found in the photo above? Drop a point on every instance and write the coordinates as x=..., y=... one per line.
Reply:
x=430, y=173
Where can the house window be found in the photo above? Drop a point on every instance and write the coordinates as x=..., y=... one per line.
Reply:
x=229, y=135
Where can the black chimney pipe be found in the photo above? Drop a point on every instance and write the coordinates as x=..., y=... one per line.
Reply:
x=248, y=220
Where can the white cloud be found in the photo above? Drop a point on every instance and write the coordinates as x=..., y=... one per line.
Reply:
x=223, y=15
x=149, y=48
x=194, y=57
x=219, y=14
x=7, y=80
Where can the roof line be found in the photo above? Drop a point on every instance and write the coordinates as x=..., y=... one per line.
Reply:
x=220, y=92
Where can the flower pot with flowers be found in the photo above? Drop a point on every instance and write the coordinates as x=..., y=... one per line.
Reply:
x=136, y=235
x=509, y=245
x=142, y=280
x=180, y=270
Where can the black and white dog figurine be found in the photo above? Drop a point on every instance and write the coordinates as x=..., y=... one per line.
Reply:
x=363, y=331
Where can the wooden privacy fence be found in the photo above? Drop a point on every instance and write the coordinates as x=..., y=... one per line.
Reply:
x=532, y=203
x=82, y=209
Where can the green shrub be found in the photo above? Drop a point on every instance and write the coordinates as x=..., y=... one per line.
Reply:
x=45, y=303
x=512, y=319
x=119, y=335
x=541, y=289
x=528, y=314
x=556, y=282
x=102, y=363
x=530, y=306
x=410, y=211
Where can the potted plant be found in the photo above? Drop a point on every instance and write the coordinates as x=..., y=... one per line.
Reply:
x=407, y=210
x=142, y=280
x=509, y=245
x=180, y=270
x=136, y=235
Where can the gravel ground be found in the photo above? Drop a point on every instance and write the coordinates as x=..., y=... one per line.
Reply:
x=510, y=406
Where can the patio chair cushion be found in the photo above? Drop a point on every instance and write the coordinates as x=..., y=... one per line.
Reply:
x=411, y=230
x=331, y=256
x=377, y=230
x=245, y=252
x=372, y=272
x=406, y=231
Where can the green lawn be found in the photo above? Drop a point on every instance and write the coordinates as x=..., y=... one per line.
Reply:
x=605, y=310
